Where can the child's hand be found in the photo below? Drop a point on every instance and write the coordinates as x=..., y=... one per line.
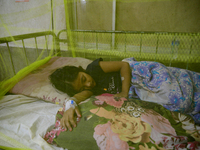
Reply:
x=68, y=121
x=122, y=94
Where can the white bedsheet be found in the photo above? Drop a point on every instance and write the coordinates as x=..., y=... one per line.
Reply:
x=24, y=121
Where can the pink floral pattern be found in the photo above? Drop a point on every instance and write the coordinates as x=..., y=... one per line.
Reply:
x=111, y=100
x=108, y=140
x=179, y=142
x=130, y=128
x=54, y=100
x=49, y=136
x=158, y=122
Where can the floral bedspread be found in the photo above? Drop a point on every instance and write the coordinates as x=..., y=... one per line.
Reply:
x=110, y=123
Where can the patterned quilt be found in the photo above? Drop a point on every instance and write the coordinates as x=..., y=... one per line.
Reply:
x=110, y=123
x=174, y=88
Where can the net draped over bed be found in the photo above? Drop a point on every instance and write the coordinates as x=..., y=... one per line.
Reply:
x=112, y=38
x=114, y=43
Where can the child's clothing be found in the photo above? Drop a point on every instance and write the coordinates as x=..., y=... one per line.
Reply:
x=105, y=82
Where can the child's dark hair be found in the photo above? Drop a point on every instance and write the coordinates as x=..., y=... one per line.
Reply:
x=63, y=77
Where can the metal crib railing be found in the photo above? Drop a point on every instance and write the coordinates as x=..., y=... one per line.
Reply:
x=153, y=46
x=8, y=40
x=167, y=47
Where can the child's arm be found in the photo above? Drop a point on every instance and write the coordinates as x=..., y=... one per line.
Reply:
x=124, y=68
x=82, y=96
x=68, y=121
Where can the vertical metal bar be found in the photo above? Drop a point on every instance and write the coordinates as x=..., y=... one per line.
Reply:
x=11, y=57
x=192, y=36
x=111, y=42
x=76, y=37
x=36, y=47
x=24, y=49
x=158, y=35
x=172, y=49
x=53, y=43
x=140, y=45
x=113, y=22
x=97, y=41
x=125, y=41
x=84, y=42
x=84, y=39
x=57, y=45
x=46, y=44
x=52, y=21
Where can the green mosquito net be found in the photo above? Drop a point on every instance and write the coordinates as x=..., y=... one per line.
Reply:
x=158, y=30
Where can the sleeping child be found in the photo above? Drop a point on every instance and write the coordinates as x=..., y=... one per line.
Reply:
x=99, y=77
x=176, y=89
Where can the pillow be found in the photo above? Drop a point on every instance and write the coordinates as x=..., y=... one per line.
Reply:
x=37, y=83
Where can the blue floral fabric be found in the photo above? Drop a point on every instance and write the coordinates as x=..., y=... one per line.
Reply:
x=174, y=88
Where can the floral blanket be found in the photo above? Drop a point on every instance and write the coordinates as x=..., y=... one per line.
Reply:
x=174, y=88
x=110, y=123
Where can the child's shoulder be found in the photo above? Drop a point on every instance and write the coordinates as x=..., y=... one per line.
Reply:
x=94, y=66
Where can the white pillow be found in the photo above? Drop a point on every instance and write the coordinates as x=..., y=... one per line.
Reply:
x=37, y=83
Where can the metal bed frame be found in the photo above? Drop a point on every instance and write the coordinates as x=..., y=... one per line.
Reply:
x=115, y=48
x=186, y=43
x=21, y=38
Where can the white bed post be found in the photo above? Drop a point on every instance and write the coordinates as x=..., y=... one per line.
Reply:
x=113, y=22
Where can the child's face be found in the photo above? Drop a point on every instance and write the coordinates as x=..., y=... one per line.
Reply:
x=83, y=82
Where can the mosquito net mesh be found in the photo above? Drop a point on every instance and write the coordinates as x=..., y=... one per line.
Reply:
x=156, y=30
x=34, y=31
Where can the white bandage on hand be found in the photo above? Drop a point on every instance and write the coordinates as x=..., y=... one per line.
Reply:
x=73, y=98
x=69, y=103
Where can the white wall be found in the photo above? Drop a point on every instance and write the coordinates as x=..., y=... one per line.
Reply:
x=27, y=17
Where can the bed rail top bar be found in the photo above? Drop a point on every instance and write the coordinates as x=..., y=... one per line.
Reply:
x=136, y=32
x=26, y=36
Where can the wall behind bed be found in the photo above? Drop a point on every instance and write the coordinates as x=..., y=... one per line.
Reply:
x=130, y=15
x=138, y=15
x=18, y=18
x=32, y=16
